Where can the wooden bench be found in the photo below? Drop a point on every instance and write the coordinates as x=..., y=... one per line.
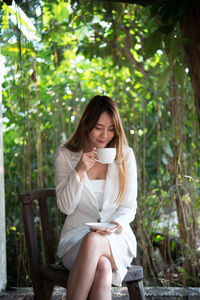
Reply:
x=46, y=275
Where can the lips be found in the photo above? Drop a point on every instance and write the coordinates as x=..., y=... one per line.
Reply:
x=102, y=141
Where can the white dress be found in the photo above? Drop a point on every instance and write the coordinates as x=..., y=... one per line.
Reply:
x=117, y=242
x=77, y=199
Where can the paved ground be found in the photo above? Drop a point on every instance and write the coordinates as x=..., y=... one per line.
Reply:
x=152, y=293
x=27, y=294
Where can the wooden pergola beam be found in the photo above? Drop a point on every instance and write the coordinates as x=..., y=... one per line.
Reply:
x=139, y=2
x=3, y=273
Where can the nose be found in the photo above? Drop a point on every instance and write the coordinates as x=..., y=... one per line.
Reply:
x=105, y=133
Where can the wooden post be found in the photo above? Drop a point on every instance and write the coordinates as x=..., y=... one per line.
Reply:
x=3, y=273
x=29, y=31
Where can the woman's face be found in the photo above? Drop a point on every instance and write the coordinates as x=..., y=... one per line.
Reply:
x=103, y=132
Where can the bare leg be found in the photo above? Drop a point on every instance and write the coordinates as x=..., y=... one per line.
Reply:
x=101, y=287
x=84, y=269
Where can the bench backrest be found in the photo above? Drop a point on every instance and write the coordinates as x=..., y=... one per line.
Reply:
x=29, y=200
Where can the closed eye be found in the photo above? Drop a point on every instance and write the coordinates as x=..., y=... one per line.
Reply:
x=98, y=128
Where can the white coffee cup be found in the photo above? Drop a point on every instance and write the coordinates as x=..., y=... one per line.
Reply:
x=106, y=155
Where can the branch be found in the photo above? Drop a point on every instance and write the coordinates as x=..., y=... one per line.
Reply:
x=129, y=55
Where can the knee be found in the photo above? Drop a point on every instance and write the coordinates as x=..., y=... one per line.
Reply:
x=104, y=271
x=91, y=240
x=104, y=265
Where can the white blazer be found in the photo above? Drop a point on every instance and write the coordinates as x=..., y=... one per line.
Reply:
x=76, y=199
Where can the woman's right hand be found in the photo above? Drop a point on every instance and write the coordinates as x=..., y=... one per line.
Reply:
x=86, y=162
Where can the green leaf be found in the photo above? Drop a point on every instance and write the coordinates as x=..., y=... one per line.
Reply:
x=197, y=203
x=152, y=43
x=173, y=46
x=164, y=78
x=179, y=72
x=164, y=160
x=168, y=150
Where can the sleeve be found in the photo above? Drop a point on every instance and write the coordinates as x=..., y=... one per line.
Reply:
x=68, y=184
x=126, y=210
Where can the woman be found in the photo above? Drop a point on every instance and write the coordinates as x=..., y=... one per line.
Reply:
x=88, y=191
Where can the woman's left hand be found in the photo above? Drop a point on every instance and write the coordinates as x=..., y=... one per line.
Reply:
x=109, y=230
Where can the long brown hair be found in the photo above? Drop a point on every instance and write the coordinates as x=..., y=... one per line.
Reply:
x=88, y=121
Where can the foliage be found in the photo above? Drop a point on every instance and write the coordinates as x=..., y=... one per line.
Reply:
x=89, y=48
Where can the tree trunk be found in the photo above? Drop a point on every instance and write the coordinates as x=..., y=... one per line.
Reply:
x=190, y=31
